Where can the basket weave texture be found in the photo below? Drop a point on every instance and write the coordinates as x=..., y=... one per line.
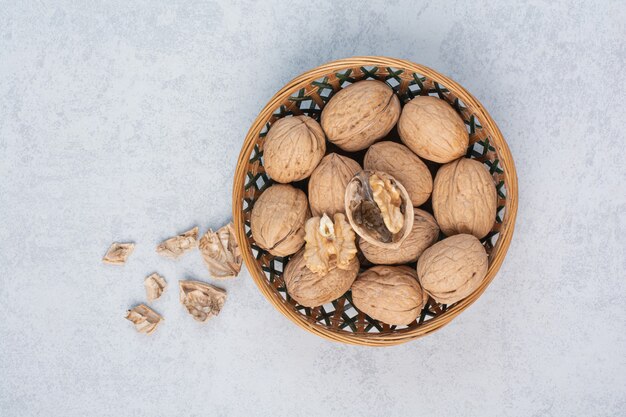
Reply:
x=307, y=94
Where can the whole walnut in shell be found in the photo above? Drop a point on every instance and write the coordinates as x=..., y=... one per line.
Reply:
x=328, y=243
x=464, y=198
x=423, y=234
x=379, y=209
x=453, y=268
x=311, y=289
x=390, y=294
x=277, y=219
x=360, y=114
x=293, y=148
x=431, y=128
x=398, y=160
x=327, y=185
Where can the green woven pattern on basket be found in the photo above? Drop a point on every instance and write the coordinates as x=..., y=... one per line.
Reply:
x=310, y=100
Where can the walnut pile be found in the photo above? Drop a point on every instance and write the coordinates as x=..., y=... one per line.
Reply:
x=411, y=215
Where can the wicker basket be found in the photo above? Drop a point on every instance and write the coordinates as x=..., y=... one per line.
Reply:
x=307, y=94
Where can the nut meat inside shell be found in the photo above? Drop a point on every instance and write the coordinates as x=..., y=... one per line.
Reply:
x=379, y=209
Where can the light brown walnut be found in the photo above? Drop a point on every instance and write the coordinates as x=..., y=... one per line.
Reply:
x=453, y=268
x=311, y=289
x=327, y=185
x=360, y=114
x=379, y=209
x=432, y=129
x=277, y=219
x=464, y=198
x=390, y=294
x=424, y=234
x=293, y=148
x=398, y=161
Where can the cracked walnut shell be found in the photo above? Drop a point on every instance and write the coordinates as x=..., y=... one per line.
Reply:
x=464, y=198
x=144, y=318
x=155, y=285
x=398, y=161
x=390, y=294
x=220, y=252
x=201, y=300
x=432, y=129
x=328, y=242
x=424, y=234
x=360, y=114
x=327, y=185
x=453, y=268
x=311, y=289
x=379, y=209
x=277, y=219
x=293, y=148
x=118, y=253
x=176, y=246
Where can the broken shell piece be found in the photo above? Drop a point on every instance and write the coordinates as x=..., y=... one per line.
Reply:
x=329, y=243
x=220, y=252
x=379, y=209
x=178, y=245
x=201, y=300
x=155, y=285
x=118, y=253
x=144, y=318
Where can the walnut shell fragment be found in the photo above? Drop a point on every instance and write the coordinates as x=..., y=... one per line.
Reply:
x=277, y=219
x=431, y=128
x=144, y=318
x=201, y=300
x=465, y=198
x=178, y=245
x=118, y=253
x=311, y=289
x=220, y=252
x=155, y=284
x=453, y=268
x=398, y=161
x=390, y=294
x=379, y=209
x=360, y=114
x=293, y=148
x=424, y=234
x=327, y=185
x=329, y=242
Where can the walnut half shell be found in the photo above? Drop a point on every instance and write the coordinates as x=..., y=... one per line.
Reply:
x=201, y=300
x=220, y=252
x=379, y=209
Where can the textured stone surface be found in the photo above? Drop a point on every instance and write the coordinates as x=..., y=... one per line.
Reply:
x=123, y=121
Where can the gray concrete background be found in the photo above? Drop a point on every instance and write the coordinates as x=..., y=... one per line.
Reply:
x=123, y=121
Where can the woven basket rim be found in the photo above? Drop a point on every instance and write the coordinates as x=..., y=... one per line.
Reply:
x=499, y=251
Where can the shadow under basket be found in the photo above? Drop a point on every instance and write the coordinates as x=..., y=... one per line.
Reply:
x=307, y=94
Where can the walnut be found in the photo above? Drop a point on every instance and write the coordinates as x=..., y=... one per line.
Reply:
x=118, y=253
x=379, y=209
x=424, y=233
x=453, y=268
x=360, y=114
x=390, y=294
x=293, y=148
x=178, y=245
x=277, y=219
x=431, y=128
x=398, y=161
x=327, y=185
x=155, y=285
x=464, y=198
x=311, y=289
x=328, y=242
x=201, y=300
x=144, y=318
x=220, y=252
